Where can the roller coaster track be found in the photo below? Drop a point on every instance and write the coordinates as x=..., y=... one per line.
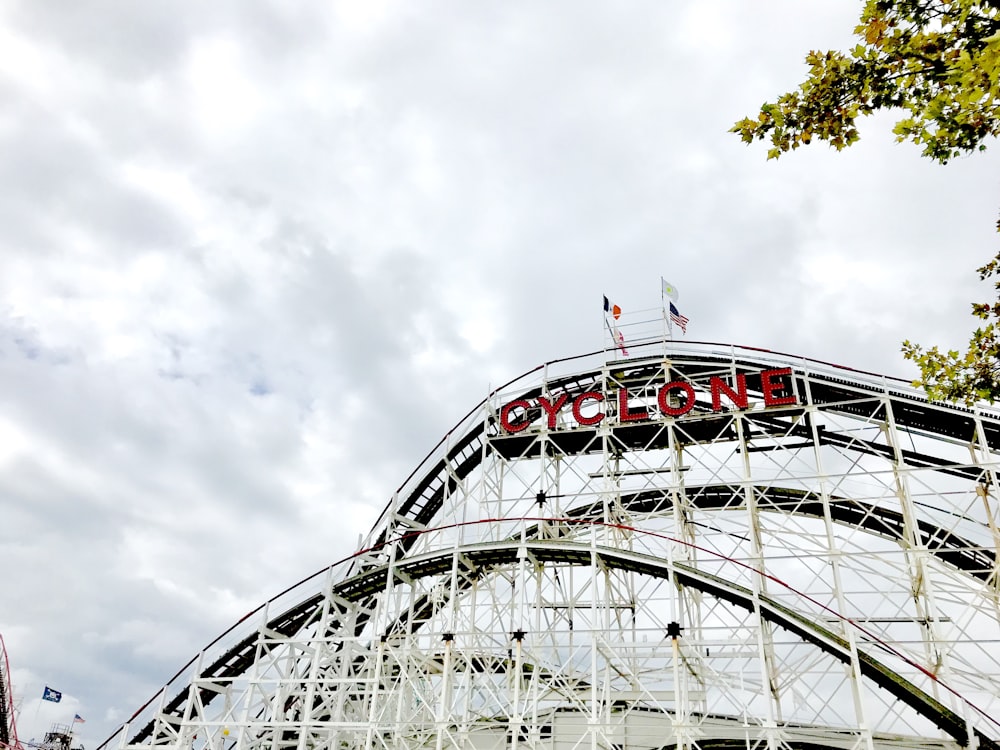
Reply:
x=8, y=728
x=398, y=531
x=498, y=555
x=488, y=557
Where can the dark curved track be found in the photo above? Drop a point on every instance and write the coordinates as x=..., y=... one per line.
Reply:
x=488, y=557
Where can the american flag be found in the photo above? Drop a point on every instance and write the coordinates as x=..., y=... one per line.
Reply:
x=676, y=317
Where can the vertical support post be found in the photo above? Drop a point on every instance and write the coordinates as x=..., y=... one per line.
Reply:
x=916, y=554
x=857, y=681
x=986, y=490
x=758, y=586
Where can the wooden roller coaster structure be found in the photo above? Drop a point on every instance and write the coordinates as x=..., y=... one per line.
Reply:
x=8, y=726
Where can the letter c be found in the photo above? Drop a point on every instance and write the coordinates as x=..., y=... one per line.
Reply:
x=578, y=408
x=505, y=416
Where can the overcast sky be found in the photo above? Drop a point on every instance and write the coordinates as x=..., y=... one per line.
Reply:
x=257, y=256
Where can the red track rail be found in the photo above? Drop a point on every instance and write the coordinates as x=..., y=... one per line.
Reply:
x=8, y=726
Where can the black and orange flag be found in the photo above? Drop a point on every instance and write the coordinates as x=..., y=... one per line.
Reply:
x=615, y=311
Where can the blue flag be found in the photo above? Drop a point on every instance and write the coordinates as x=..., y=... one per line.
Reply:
x=51, y=695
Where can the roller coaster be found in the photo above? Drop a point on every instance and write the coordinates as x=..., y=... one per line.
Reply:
x=8, y=725
x=697, y=546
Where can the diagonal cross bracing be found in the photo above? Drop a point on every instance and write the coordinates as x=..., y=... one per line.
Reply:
x=677, y=474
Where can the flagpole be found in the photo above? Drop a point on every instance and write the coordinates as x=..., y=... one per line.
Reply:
x=663, y=310
x=668, y=326
x=604, y=317
x=615, y=344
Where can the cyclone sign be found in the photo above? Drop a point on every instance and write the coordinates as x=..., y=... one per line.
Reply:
x=673, y=399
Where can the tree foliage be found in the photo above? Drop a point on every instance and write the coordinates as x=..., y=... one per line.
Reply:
x=971, y=376
x=937, y=62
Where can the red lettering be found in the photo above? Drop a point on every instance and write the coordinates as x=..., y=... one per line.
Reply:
x=720, y=387
x=772, y=383
x=578, y=408
x=505, y=416
x=663, y=398
x=552, y=408
x=769, y=386
x=624, y=415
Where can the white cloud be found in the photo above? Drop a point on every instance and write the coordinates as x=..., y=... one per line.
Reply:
x=256, y=258
x=225, y=99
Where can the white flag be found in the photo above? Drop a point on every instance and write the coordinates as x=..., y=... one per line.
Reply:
x=619, y=339
x=669, y=290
